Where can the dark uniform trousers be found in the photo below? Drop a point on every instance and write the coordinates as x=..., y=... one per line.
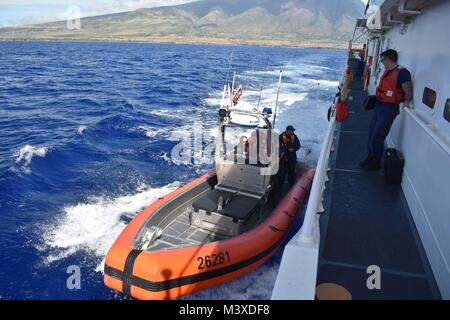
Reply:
x=383, y=118
x=288, y=167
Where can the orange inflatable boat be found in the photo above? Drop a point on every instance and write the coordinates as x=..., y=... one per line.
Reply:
x=219, y=226
x=171, y=249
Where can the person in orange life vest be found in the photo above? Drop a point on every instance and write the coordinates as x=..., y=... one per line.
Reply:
x=362, y=56
x=362, y=53
x=289, y=145
x=395, y=87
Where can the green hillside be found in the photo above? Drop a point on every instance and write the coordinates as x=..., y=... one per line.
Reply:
x=320, y=23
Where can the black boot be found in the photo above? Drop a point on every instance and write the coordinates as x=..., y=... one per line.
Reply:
x=374, y=164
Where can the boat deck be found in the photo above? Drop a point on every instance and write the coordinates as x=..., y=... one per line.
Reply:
x=180, y=233
x=367, y=222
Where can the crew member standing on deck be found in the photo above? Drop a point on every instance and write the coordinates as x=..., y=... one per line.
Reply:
x=395, y=87
x=362, y=53
x=362, y=56
x=289, y=145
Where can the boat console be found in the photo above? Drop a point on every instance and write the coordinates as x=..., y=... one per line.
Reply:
x=244, y=159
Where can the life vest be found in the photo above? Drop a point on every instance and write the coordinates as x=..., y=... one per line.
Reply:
x=342, y=111
x=367, y=73
x=287, y=139
x=387, y=90
x=366, y=81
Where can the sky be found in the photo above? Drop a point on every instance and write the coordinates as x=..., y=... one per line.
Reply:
x=18, y=12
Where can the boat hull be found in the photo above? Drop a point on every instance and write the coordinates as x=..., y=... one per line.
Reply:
x=169, y=274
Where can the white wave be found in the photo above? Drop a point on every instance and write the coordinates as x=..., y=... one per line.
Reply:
x=263, y=76
x=257, y=285
x=269, y=97
x=165, y=157
x=169, y=113
x=93, y=226
x=151, y=132
x=250, y=73
x=214, y=102
x=323, y=83
x=81, y=130
x=183, y=132
x=305, y=67
x=290, y=98
x=328, y=83
x=25, y=155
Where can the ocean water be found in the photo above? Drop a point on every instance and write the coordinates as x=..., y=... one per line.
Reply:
x=86, y=133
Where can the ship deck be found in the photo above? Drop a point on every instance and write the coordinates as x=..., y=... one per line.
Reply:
x=367, y=222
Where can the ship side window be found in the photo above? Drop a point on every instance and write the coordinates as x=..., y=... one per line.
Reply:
x=429, y=97
x=447, y=110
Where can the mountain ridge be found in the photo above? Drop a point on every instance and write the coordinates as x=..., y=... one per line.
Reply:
x=297, y=23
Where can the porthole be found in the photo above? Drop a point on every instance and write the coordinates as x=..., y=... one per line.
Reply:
x=447, y=110
x=429, y=97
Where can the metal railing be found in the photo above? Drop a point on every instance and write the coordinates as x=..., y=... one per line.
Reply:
x=298, y=280
x=316, y=196
x=315, y=202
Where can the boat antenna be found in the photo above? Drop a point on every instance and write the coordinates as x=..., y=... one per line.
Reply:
x=232, y=89
x=318, y=93
x=230, y=61
x=263, y=82
x=367, y=7
x=227, y=77
x=278, y=96
x=222, y=104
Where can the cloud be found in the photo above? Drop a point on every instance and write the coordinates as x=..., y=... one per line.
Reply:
x=109, y=6
x=27, y=11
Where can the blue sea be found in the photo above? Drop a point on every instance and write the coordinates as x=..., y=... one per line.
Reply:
x=86, y=134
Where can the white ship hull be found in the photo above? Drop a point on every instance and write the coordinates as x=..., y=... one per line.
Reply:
x=411, y=242
x=422, y=134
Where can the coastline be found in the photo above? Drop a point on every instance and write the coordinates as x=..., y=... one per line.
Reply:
x=197, y=41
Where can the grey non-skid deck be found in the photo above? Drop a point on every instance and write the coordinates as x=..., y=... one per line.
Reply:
x=180, y=233
x=368, y=223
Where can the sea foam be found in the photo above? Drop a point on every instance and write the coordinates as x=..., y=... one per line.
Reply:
x=93, y=225
x=25, y=155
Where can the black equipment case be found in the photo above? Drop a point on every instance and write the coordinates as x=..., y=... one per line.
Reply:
x=393, y=166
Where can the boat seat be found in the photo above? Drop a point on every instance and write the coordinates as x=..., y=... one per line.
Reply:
x=247, y=193
x=239, y=206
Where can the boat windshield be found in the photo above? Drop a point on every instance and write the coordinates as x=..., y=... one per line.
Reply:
x=237, y=134
x=236, y=139
x=241, y=144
